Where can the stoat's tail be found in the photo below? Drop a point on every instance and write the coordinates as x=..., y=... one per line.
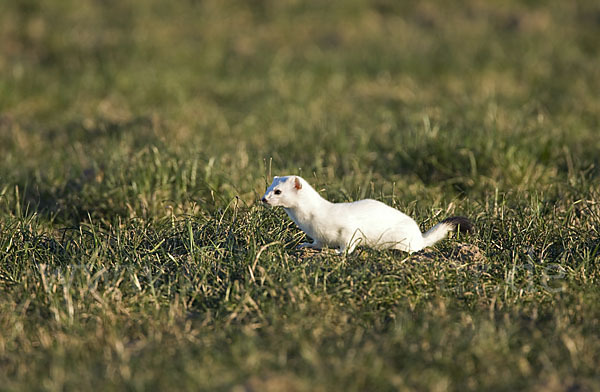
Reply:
x=440, y=231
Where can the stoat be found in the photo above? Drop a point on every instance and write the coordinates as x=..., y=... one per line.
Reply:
x=344, y=226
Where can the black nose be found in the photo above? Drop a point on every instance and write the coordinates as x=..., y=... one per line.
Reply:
x=264, y=200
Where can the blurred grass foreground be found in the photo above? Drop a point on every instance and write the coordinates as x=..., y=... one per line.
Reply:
x=137, y=136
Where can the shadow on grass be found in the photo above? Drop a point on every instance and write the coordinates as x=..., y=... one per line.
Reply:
x=74, y=186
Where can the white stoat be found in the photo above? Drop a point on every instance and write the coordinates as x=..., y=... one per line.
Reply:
x=344, y=226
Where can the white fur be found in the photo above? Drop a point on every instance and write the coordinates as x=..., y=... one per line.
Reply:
x=346, y=225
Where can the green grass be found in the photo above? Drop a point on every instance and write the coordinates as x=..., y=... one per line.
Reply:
x=137, y=137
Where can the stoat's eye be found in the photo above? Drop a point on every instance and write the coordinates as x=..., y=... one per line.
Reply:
x=277, y=191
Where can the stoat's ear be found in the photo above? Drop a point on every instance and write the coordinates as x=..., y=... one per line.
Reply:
x=297, y=183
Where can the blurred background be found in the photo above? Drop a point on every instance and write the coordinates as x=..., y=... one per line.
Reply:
x=190, y=98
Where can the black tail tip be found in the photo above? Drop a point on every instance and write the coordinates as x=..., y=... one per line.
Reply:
x=464, y=225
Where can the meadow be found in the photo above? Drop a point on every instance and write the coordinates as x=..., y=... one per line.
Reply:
x=136, y=139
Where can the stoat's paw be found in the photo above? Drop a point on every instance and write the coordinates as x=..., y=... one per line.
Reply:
x=309, y=246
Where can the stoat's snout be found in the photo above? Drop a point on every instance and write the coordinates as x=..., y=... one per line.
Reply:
x=264, y=200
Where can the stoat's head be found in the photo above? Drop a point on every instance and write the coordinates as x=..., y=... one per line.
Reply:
x=284, y=192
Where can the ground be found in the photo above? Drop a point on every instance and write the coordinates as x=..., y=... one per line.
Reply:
x=137, y=137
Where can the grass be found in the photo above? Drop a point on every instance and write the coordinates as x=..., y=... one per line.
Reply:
x=137, y=138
